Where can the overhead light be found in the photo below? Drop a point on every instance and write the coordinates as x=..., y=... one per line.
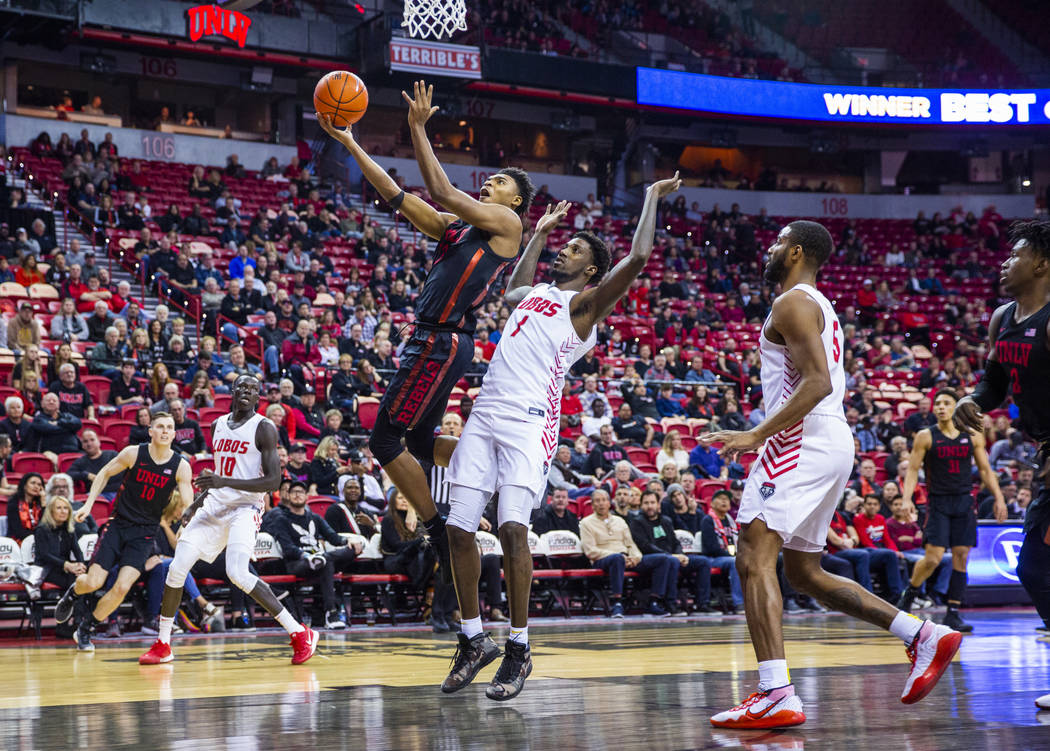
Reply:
x=462, y=123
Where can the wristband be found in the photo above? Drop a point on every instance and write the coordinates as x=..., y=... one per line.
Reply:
x=396, y=201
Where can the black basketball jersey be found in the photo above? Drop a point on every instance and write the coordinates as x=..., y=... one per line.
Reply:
x=147, y=488
x=1021, y=349
x=465, y=266
x=948, y=464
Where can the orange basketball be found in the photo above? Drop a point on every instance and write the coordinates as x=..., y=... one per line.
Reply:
x=342, y=95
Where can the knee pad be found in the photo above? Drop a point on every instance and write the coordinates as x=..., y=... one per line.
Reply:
x=467, y=507
x=516, y=505
x=385, y=440
x=237, y=568
x=420, y=443
x=180, y=566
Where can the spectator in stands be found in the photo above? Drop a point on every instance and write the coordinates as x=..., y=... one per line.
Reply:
x=106, y=357
x=52, y=431
x=564, y=477
x=1011, y=452
x=326, y=468
x=69, y=325
x=666, y=403
x=84, y=469
x=898, y=450
x=188, y=436
x=556, y=515
x=126, y=389
x=605, y=454
x=402, y=543
x=594, y=421
x=865, y=484
x=28, y=274
x=608, y=544
x=347, y=516
x=99, y=323
x=15, y=424
x=73, y=395
x=718, y=539
x=23, y=329
x=299, y=532
x=631, y=429
x=705, y=461
x=680, y=506
x=881, y=549
x=28, y=368
x=672, y=451
x=25, y=507
x=55, y=547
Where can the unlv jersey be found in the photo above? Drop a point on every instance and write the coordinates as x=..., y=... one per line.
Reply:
x=948, y=464
x=237, y=457
x=538, y=346
x=780, y=377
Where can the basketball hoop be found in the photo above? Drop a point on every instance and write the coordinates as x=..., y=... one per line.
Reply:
x=436, y=18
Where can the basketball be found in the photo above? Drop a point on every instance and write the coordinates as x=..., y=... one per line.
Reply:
x=342, y=95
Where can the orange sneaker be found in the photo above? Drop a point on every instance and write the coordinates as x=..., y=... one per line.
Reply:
x=305, y=644
x=776, y=708
x=931, y=653
x=158, y=654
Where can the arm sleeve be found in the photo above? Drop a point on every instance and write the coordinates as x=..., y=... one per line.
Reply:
x=991, y=389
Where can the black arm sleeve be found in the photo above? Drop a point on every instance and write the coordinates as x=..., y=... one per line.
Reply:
x=992, y=388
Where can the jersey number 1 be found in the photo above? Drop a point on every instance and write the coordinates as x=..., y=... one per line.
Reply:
x=226, y=466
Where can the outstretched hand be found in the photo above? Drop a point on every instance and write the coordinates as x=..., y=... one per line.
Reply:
x=666, y=187
x=552, y=218
x=343, y=135
x=420, y=109
x=734, y=442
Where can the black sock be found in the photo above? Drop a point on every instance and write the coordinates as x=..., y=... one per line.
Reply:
x=956, y=589
x=434, y=524
x=913, y=590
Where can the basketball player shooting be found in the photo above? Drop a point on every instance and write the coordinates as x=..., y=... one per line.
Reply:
x=795, y=485
x=1018, y=366
x=508, y=444
x=476, y=241
x=151, y=473
x=226, y=515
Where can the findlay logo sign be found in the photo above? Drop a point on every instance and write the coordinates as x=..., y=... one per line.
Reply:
x=209, y=20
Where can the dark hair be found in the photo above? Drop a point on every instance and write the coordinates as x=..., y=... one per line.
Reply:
x=1036, y=232
x=653, y=493
x=876, y=496
x=946, y=392
x=525, y=187
x=20, y=491
x=815, y=240
x=599, y=254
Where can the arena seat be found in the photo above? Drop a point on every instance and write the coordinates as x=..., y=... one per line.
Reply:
x=26, y=461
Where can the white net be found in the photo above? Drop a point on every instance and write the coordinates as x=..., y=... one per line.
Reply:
x=434, y=18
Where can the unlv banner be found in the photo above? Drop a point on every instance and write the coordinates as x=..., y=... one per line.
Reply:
x=435, y=58
x=208, y=20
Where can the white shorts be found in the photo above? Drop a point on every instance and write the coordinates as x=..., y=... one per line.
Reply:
x=215, y=527
x=497, y=450
x=796, y=483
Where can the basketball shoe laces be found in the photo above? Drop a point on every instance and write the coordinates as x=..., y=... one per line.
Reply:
x=461, y=657
x=510, y=668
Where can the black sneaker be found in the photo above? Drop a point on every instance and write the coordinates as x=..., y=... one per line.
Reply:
x=515, y=668
x=907, y=600
x=954, y=621
x=64, y=607
x=83, y=637
x=471, y=656
x=241, y=623
x=790, y=606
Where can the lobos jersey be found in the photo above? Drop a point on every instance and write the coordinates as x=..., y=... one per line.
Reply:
x=237, y=457
x=780, y=377
x=538, y=346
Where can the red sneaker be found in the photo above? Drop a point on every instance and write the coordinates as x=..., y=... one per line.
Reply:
x=304, y=644
x=931, y=653
x=158, y=654
x=778, y=708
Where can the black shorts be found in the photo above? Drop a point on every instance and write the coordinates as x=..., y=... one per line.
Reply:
x=432, y=363
x=951, y=520
x=126, y=544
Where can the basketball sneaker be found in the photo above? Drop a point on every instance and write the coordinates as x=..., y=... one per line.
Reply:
x=954, y=621
x=472, y=655
x=83, y=636
x=617, y=611
x=907, y=599
x=515, y=668
x=64, y=607
x=931, y=653
x=776, y=708
x=305, y=644
x=158, y=654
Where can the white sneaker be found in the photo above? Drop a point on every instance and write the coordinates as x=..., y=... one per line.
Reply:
x=776, y=708
x=332, y=620
x=1043, y=702
x=931, y=653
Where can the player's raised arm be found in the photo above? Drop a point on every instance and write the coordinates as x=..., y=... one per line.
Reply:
x=266, y=441
x=598, y=302
x=520, y=282
x=491, y=217
x=123, y=461
x=423, y=216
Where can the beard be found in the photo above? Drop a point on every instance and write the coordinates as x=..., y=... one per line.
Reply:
x=558, y=276
x=774, y=272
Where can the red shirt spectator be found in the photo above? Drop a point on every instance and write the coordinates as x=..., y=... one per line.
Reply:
x=871, y=526
x=866, y=297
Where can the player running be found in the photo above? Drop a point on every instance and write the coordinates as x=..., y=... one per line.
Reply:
x=795, y=485
x=509, y=441
x=475, y=243
x=1018, y=366
x=948, y=454
x=152, y=472
x=227, y=515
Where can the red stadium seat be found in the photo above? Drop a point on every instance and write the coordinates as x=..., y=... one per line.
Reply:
x=118, y=430
x=26, y=462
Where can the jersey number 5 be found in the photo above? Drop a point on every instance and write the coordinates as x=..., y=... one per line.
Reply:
x=836, y=348
x=226, y=466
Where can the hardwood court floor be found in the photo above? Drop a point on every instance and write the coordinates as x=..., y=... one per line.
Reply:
x=597, y=684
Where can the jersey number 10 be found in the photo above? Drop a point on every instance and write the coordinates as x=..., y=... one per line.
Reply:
x=226, y=465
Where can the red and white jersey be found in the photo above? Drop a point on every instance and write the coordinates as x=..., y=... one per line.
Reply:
x=780, y=377
x=538, y=346
x=238, y=457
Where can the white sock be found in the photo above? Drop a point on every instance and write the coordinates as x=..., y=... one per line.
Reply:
x=164, y=630
x=471, y=627
x=520, y=635
x=905, y=626
x=288, y=622
x=773, y=674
